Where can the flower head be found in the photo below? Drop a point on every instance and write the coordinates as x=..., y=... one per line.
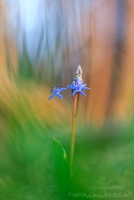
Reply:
x=77, y=86
x=56, y=92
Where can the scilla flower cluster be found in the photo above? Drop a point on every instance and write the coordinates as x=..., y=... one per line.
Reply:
x=77, y=87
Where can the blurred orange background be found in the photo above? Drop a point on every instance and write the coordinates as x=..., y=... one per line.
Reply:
x=98, y=35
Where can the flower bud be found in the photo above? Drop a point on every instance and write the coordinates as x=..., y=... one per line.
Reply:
x=78, y=73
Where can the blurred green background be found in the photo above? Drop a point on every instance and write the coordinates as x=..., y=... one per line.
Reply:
x=42, y=43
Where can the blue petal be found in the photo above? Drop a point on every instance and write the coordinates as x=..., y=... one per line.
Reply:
x=51, y=96
x=75, y=92
x=54, y=90
x=71, y=87
x=59, y=96
x=85, y=88
x=83, y=85
x=82, y=93
x=62, y=89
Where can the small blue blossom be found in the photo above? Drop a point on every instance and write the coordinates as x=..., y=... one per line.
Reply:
x=56, y=92
x=77, y=86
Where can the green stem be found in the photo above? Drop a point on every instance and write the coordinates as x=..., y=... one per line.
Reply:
x=66, y=110
x=75, y=107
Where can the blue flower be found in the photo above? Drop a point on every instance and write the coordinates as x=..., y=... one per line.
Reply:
x=77, y=86
x=56, y=92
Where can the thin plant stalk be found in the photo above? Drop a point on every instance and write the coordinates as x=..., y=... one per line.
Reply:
x=74, y=113
x=66, y=111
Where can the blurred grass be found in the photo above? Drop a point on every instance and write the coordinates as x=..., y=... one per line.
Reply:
x=28, y=121
x=103, y=156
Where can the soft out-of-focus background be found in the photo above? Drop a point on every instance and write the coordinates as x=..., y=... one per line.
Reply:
x=44, y=41
x=41, y=44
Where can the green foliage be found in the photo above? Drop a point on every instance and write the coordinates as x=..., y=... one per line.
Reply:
x=61, y=166
x=103, y=157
